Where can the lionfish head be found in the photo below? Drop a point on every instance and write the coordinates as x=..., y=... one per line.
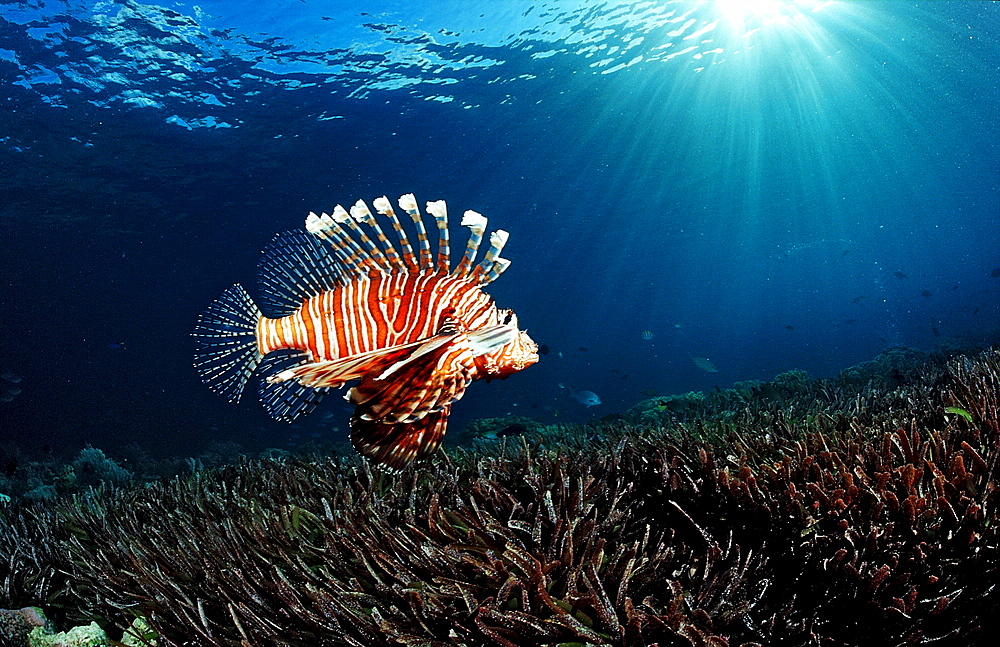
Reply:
x=516, y=355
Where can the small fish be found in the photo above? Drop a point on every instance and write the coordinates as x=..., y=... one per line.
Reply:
x=926, y=294
x=516, y=429
x=646, y=334
x=959, y=412
x=995, y=273
x=410, y=329
x=705, y=364
x=586, y=398
x=10, y=377
x=899, y=275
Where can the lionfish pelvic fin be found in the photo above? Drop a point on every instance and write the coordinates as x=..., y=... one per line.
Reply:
x=394, y=446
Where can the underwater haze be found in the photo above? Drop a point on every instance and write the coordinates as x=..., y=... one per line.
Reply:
x=697, y=193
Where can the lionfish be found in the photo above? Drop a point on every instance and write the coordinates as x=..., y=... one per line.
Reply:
x=413, y=331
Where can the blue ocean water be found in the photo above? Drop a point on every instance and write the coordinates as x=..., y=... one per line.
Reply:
x=765, y=185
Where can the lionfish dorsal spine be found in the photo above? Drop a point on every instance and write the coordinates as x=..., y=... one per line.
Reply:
x=439, y=209
x=476, y=222
x=345, y=248
x=498, y=267
x=384, y=207
x=369, y=255
x=361, y=213
x=354, y=247
x=409, y=204
x=487, y=268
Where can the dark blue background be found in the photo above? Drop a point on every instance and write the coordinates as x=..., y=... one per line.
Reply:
x=795, y=188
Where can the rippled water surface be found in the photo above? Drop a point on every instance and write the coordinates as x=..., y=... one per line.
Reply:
x=762, y=186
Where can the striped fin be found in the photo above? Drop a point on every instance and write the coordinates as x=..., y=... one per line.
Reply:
x=434, y=375
x=476, y=222
x=404, y=418
x=226, y=343
x=362, y=255
x=396, y=445
x=287, y=401
x=486, y=268
x=384, y=207
x=295, y=267
x=370, y=257
x=333, y=373
x=344, y=248
x=409, y=204
x=499, y=265
x=439, y=210
x=357, y=252
x=361, y=213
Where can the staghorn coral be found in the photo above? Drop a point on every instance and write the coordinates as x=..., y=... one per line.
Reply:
x=822, y=516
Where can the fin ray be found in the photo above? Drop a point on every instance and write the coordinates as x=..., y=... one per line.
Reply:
x=295, y=267
x=333, y=373
x=396, y=445
x=287, y=400
x=226, y=343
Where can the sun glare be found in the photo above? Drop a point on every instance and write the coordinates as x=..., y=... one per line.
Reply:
x=749, y=16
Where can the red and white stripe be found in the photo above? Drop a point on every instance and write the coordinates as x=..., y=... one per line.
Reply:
x=378, y=311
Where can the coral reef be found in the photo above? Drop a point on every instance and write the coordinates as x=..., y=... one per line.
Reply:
x=800, y=512
x=83, y=636
x=17, y=624
x=491, y=429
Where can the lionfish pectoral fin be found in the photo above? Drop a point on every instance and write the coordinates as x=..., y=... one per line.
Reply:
x=489, y=339
x=424, y=347
x=397, y=444
x=403, y=416
x=478, y=342
x=427, y=382
x=333, y=373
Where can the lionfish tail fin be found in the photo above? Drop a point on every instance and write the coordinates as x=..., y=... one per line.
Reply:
x=395, y=445
x=226, y=351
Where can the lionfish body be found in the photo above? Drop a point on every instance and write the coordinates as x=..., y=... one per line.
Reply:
x=412, y=331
